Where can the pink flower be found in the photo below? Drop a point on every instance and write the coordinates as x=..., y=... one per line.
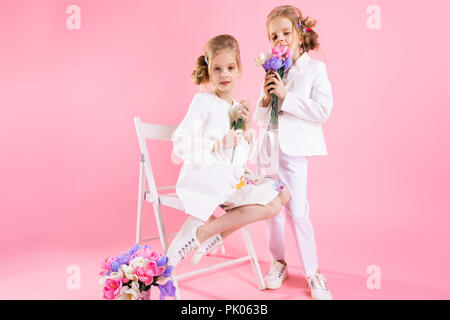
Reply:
x=145, y=274
x=112, y=288
x=148, y=253
x=152, y=265
x=289, y=54
x=280, y=51
x=106, y=265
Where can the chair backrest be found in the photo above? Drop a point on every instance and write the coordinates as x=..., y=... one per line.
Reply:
x=152, y=132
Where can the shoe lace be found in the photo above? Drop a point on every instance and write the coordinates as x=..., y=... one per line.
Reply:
x=318, y=281
x=188, y=247
x=212, y=244
x=276, y=269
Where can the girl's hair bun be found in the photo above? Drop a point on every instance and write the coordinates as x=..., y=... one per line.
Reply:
x=309, y=37
x=200, y=74
x=309, y=22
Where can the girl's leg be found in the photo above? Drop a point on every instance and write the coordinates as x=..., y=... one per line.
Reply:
x=275, y=233
x=293, y=170
x=241, y=216
x=225, y=233
x=276, y=237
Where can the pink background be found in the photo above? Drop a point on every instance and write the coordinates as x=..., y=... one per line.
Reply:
x=70, y=158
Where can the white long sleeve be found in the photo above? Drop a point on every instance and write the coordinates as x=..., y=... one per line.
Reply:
x=189, y=140
x=317, y=106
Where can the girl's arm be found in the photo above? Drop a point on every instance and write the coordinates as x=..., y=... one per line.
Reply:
x=189, y=142
x=317, y=107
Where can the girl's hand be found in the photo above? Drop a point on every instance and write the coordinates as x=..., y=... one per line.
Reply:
x=267, y=80
x=231, y=139
x=268, y=97
x=275, y=85
x=266, y=101
x=245, y=114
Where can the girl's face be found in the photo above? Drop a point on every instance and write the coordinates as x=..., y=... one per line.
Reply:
x=282, y=33
x=224, y=71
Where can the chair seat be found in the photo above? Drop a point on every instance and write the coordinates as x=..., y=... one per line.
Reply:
x=169, y=200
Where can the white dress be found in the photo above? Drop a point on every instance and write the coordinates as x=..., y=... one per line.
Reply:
x=208, y=179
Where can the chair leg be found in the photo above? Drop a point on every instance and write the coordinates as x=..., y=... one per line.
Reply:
x=161, y=229
x=140, y=202
x=254, y=259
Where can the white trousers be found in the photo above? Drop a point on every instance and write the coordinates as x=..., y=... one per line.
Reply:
x=292, y=170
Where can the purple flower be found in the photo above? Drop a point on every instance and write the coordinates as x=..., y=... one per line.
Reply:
x=167, y=272
x=162, y=261
x=287, y=64
x=136, y=247
x=167, y=290
x=273, y=63
x=124, y=258
x=115, y=265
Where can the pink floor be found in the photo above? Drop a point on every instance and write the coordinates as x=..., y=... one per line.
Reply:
x=39, y=271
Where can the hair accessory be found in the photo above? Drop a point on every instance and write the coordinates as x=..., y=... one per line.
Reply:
x=206, y=60
x=301, y=26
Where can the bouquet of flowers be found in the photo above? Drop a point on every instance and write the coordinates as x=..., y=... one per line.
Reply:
x=131, y=275
x=279, y=60
x=237, y=123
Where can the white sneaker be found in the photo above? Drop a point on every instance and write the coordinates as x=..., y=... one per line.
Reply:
x=184, y=242
x=278, y=272
x=318, y=286
x=208, y=247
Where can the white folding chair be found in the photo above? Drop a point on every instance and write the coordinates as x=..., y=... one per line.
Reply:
x=152, y=195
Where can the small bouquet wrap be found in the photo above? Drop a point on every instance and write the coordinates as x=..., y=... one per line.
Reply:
x=237, y=123
x=131, y=275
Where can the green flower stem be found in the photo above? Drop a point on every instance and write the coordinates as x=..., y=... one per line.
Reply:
x=274, y=102
x=239, y=124
x=274, y=111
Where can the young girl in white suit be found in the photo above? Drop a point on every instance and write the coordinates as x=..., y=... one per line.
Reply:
x=305, y=101
x=214, y=157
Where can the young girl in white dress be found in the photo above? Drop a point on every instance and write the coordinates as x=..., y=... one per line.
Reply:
x=214, y=157
x=304, y=102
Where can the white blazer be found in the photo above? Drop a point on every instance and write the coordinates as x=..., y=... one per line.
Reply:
x=207, y=178
x=307, y=104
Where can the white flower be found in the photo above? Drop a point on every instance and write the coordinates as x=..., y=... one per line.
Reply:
x=129, y=293
x=112, y=275
x=101, y=281
x=138, y=262
x=259, y=61
x=234, y=113
x=128, y=272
